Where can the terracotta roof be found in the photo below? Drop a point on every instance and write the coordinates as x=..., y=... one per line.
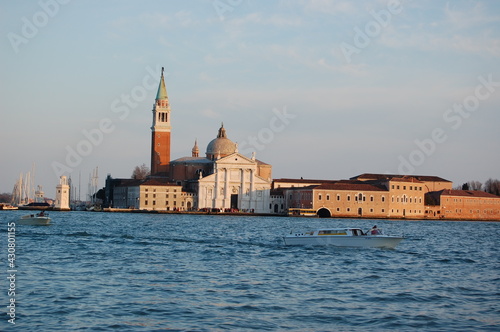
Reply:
x=157, y=182
x=351, y=185
x=375, y=176
x=406, y=179
x=468, y=193
x=304, y=181
x=259, y=162
x=194, y=160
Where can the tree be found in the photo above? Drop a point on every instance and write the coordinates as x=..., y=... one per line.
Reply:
x=475, y=185
x=5, y=198
x=492, y=186
x=465, y=186
x=140, y=172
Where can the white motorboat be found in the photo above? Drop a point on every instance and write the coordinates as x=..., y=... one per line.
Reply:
x=7, y=207
x=39, y=219
x=344, y=237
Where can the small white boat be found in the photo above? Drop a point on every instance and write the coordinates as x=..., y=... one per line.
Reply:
x=39, y=219
x=7, y=207
x=344, y=237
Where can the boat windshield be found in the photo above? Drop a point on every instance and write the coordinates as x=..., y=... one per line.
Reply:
x=333, y=232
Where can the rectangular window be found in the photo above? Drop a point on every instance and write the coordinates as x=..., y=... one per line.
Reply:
x=338, y=197
x=348, y=197
x=327, y=197
x=319, y=197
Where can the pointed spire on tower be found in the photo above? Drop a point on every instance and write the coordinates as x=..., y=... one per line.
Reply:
x=162, y=89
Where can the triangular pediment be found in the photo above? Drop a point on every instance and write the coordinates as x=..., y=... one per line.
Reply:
x=236, y=159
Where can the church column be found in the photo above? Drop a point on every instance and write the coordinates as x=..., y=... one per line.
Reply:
x=216, y=189
x=226, y=189
x=252, y=188
x=241, y=194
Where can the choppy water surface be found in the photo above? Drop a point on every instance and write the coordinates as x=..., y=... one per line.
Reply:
x=126, y=272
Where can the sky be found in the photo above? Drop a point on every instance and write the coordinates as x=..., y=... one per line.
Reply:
x=318, y=89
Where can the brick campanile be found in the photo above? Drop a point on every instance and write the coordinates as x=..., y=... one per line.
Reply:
x=160, y=132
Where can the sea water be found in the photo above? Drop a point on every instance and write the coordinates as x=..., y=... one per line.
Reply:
x=145, y=272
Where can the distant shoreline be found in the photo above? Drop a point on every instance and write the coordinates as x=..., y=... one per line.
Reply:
x=122, y=210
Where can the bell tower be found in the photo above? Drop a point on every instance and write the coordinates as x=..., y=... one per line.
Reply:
x=160, y=132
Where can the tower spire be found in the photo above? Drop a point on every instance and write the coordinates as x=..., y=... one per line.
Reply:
x=162, y=89
x=196, y=151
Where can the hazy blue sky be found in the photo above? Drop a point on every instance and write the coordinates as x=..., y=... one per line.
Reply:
x=319, y=89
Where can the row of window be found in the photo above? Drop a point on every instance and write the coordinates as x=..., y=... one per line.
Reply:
x=362, y=198
x=487, y=211
x=154, y=196
x=397, y=187
x=475, y=200
x=167, y=203
x=360, y=211
x=162, y=117
x=154, y=190
x=409, y=211
x=357, y=198
x=405, y=199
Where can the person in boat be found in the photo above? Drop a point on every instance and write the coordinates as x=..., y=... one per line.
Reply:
x=375, y=231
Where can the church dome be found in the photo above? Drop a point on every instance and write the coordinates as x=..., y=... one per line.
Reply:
x=221, y=145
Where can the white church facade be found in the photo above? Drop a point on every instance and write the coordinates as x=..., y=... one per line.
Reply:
x=222, y=180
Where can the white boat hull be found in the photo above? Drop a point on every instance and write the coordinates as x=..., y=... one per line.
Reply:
x=36, y=221
x=365, y=241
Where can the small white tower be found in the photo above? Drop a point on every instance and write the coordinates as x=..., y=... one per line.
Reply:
x=62, y=194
